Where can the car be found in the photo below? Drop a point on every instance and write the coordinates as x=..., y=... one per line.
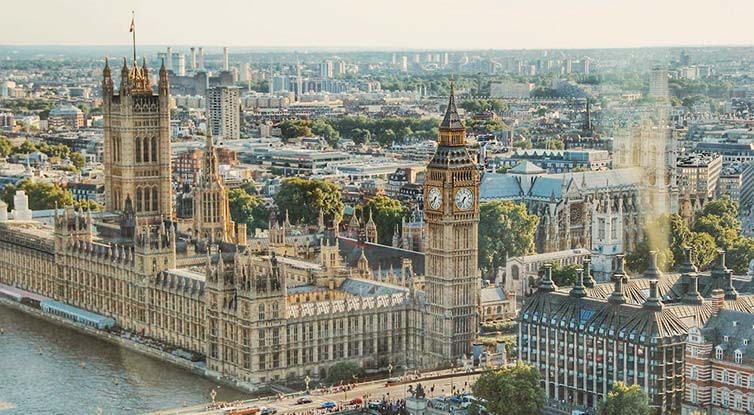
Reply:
x=328, y=405
x=392, y=381
x=356, y=401
x=374, y=405
x=303, y=400
x=268, y=410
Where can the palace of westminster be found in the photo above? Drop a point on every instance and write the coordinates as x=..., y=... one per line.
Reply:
x=259, y=312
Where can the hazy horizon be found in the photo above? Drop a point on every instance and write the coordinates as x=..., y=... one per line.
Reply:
x=381, y=25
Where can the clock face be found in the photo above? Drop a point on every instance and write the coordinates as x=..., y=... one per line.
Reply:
x=464, y=199
x=434, y=198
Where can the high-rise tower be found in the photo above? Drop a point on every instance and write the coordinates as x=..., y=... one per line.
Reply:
x=211, y=209
x=451, y=197
x=137, y=143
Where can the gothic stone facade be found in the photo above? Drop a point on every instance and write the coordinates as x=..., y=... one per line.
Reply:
x=258, y=316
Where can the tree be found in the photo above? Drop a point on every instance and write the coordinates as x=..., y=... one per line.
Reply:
x=505, y=229
x=303, y=199
x=719, y=219
x=361, y=136
x=624, y=400
x=343, y=372
x=247, y=208
x=638, y=260
x=511, y=390
x=703, y=249
x=321, y=128
x=566, y=275
x=77, y=160
x=88, y=204
x=25, y=148
x=5, y=147
x=292, y=128
x=740, y=254
x=41, y=195
x=487, y=126
x=386, y=213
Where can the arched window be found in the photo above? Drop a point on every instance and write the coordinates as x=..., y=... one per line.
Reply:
x=274, y=310
x=138, y=150
x=261, y=312
x=145, y=149
x=718, y=353
x=515, y=273
x=138, y=200
x=154, y=148
x=147, y=198
x=738, y=356
x=154, y=199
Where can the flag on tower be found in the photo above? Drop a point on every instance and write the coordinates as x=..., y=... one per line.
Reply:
x=132, y=25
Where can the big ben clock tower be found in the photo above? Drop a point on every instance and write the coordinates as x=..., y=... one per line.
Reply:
x=451, y=206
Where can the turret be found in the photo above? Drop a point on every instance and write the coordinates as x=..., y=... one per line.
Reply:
x=164, y=84
x=107, y=82
x=371, y=229
x=125, y=87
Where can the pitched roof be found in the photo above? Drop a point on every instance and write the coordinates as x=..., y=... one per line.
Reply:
x=526, y=167
x=451, y=120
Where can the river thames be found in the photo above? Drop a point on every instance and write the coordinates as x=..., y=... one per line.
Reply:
x=49, y=369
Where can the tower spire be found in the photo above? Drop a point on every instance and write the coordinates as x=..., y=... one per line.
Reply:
x=451, y=120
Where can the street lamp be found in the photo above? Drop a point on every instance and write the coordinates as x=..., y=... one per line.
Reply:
x=213, y=395
x=307, y=380
x=390, y=370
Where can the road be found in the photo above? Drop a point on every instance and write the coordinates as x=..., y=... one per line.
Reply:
x=369, y=391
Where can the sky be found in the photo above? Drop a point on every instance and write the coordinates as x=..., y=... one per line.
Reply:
x=381, y=24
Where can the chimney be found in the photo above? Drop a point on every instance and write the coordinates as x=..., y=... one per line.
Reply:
x=652, y=271
x=578, y=290
x=169, y=59
x=730, y=290
x=588, y=279
x=193, y=58
x=617, y=296
x=687, y=266
x=225, y=59
x=201, y=58
x=548, y=285
x=719, y=270
x=692, y=295
x=718, y=301
x=620, y=271
x=181, y=64
x=653, y=301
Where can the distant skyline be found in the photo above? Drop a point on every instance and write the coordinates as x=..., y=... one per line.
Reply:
x=382, y=24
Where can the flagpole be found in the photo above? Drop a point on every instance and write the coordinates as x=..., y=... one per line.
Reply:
x=133, y=32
